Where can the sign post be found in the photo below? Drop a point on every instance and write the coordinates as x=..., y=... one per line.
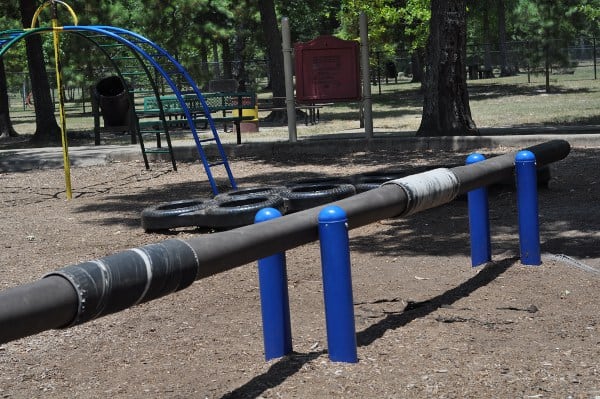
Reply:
x=289, y=79
x=367, y=102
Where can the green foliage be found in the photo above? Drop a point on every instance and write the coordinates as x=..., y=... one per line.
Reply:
x=189, y=29
x=381, y=16
x=393, y=24
x=309, y=19
x=15, y=63
x=414, y=17
x=549, y=26
x=590, y=11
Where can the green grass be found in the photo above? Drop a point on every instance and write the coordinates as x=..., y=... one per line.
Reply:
x=574, y=99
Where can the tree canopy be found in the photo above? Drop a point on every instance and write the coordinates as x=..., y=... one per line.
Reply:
x=226, y=38
x=198, y=32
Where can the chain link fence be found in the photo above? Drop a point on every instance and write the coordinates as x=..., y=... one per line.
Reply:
x=526, y=61
x=575, y=60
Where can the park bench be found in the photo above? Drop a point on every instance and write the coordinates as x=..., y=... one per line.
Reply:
x=224, y=108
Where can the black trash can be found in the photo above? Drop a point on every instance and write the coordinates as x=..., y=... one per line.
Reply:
x=113, y=100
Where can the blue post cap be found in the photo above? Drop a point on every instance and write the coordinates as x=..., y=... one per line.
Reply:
x=332, y=214
x=266, y=214
x=525, y=156
x=475, y=157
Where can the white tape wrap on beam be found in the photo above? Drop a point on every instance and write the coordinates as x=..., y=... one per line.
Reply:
x=428, y=189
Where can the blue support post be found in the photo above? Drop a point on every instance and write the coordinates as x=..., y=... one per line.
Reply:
x=527, y=207
x=274, y=298
x=479, y=220
x=337, y=285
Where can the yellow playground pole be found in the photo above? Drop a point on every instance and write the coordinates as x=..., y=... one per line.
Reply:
x=61, y=91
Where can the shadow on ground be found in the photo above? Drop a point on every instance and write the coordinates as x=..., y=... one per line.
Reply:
x=291, y=364
x=438, y=231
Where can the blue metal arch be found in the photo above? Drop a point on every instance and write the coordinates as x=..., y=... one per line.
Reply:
x=6, y=44
x=117, y=34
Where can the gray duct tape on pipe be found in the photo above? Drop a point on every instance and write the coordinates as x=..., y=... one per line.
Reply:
x=428, y=189
x=106, y=286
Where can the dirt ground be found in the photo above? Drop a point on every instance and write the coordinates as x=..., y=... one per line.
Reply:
x=428, y=324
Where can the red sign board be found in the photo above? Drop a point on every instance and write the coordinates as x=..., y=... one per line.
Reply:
x=327, y=69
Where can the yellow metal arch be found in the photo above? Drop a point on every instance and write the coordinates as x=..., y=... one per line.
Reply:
x=50, y=3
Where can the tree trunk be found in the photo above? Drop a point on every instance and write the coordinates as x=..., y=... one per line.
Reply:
x=6, y=128
x=227, y=61
x=46, y=128
x=487, y=47
x=446, y=110
x=275, y=56
x=216, y=62
x=416, y=66
x=239, y=47
x=204, y=65
x=505, y=70
x=547, y=66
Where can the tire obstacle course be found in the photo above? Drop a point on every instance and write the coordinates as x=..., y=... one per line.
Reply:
x=238, y=208
x=82, y=292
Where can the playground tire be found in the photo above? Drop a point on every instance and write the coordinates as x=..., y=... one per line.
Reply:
x=169, y=215
x=369, y=181
x=258, y=191
x=239, y=211
x=304, y=196
x=321, y=180
x=543, y=178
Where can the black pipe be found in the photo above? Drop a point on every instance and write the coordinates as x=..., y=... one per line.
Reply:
x=79, y=293
x=501, y=167
x=35, y=307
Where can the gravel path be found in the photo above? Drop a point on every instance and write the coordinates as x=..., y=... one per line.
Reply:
x=428, y=325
